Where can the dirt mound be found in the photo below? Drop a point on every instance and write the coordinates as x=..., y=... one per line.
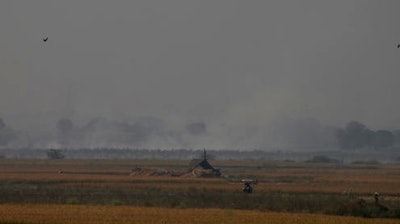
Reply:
x=149, y=171
x=200, y=172
x=155, y=171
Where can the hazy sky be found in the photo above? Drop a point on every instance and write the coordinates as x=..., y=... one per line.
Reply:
x=222, y=62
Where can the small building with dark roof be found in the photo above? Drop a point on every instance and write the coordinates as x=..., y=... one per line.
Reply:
x=203, y=164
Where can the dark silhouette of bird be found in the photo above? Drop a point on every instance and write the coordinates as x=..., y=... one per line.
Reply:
x=45, y=39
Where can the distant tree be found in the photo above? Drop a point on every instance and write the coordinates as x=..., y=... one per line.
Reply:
x=55, y=154
x=370, y=138
x=383, y=139
x=355, y=135
x=396, y=134
x=322, y=159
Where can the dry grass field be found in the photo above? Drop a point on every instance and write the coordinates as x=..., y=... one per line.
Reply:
x=103, y=191
x=66, y=214
x=272, y=176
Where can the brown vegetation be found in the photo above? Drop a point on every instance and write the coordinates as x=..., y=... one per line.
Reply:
x=282, y=186
x=63, y=214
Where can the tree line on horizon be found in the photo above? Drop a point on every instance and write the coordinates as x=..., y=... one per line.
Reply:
x=356, y=135
x=353, y=136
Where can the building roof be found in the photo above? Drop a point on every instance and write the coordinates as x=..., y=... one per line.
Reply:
x=203, y=163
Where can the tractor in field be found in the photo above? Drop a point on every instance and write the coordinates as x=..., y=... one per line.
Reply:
x=248, y=185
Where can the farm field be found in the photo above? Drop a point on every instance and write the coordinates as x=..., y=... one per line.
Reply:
x=272, y=176
x=65, y=214
x=292, y=190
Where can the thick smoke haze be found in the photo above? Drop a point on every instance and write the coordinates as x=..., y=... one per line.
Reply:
x=220, y=74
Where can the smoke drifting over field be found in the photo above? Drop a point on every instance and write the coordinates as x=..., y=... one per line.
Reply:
x=155, y=133
x=195, y=74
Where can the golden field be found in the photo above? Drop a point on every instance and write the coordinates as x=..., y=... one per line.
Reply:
x=66, y=214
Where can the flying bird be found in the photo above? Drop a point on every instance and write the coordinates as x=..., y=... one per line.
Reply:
x=45, y=39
